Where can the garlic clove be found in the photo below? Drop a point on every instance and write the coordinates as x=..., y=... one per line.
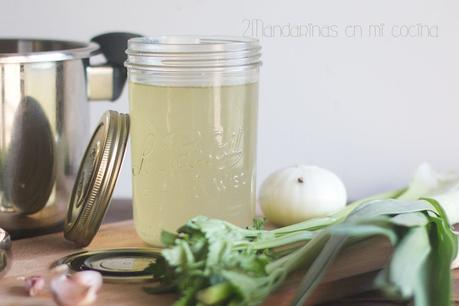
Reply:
x=79, y=289
x=34, y=284
x=89, y=278
x=59, y=270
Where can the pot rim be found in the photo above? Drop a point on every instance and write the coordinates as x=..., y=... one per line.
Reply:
x=31, y=50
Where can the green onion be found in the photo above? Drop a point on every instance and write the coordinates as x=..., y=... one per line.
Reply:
x=213, y=262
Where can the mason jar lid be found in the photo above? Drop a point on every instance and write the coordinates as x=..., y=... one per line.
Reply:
x=193, y=52
x=96, y=178
x=128, y=265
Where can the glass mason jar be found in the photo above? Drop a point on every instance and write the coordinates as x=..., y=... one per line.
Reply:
x=193, y=108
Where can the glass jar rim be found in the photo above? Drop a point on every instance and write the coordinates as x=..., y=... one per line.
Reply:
x=190, y=44
x=188, y=52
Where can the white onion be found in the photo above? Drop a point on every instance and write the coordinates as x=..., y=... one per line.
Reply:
x=298, y=193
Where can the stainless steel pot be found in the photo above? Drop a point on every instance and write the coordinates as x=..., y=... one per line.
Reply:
x=45, y=86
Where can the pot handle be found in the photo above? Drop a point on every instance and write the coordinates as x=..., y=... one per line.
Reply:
x=106, y=82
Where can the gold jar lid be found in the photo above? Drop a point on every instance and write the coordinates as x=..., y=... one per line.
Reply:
x=96, y=178
x=128, y=265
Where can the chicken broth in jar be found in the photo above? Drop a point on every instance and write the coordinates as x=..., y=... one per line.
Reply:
x=193, y=133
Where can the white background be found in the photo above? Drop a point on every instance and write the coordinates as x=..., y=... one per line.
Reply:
x=369, y=108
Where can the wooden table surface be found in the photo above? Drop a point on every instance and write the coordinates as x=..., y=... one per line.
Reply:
x=34, y=256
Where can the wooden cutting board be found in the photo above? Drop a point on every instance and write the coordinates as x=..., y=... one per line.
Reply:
x=350, y=274
x=34, y=256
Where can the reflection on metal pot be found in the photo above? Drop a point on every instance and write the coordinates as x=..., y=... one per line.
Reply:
x=29, y=170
